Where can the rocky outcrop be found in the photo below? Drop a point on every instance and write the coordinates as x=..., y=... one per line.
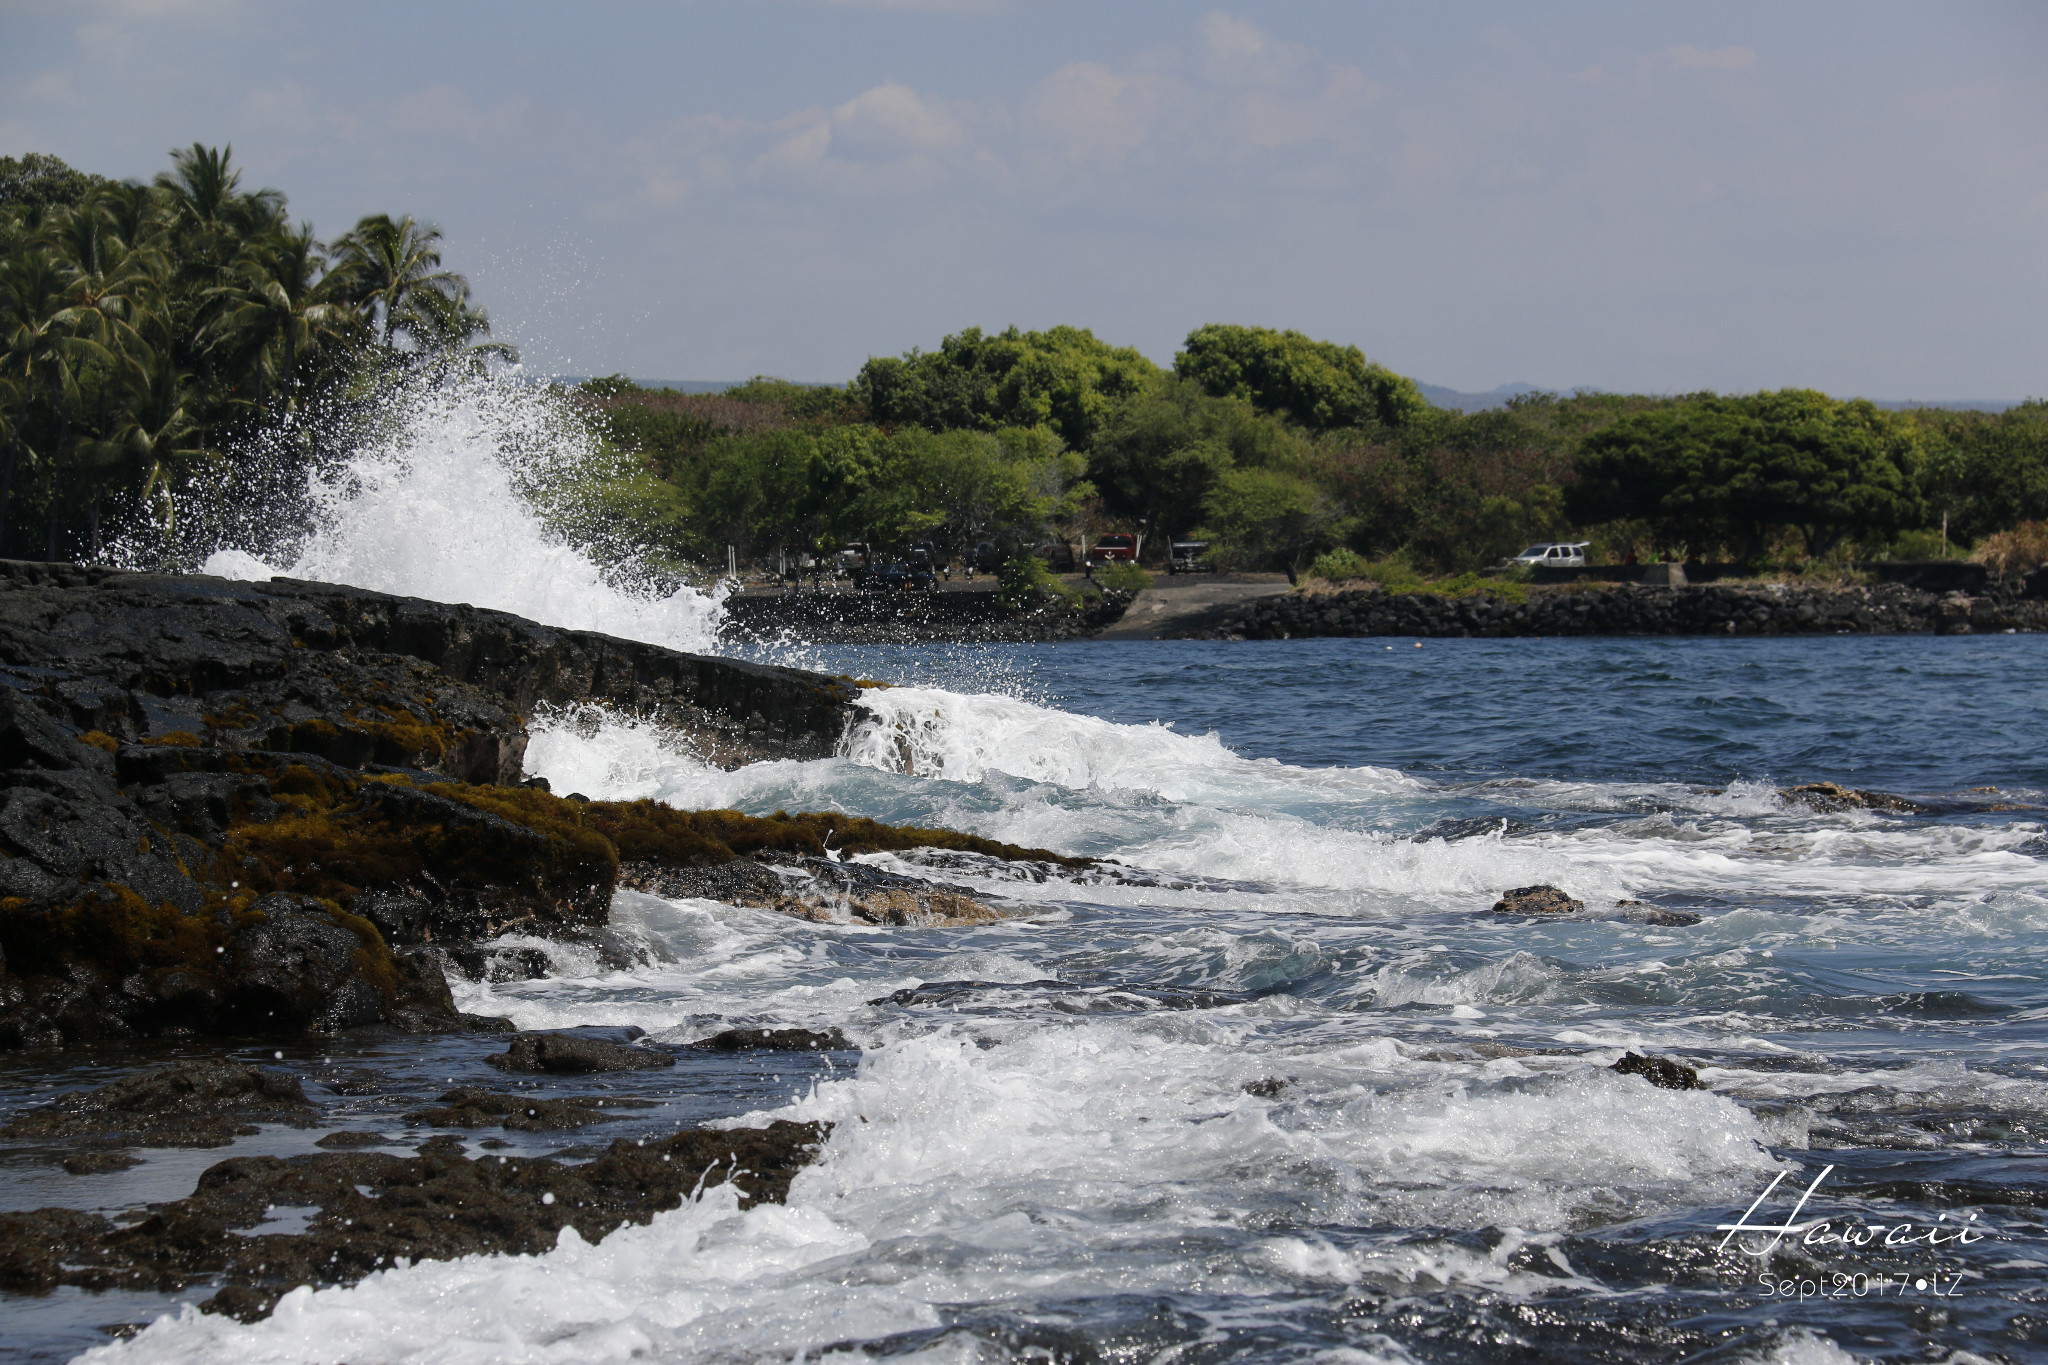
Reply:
x=365, y=677
x=1537, y=900
x=285, y=807
x=1714, y=609
x=569, y=1054
x=1663, y=1072
x=190, y=1104
x=365, y=1211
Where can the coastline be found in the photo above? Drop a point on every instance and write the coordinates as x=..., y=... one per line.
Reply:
x=1707, y=610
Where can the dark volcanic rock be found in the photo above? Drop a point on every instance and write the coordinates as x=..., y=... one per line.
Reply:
x=1828, y=797
x=138, y=655
x=566, y=1053
x=98, y=1163
x=191, y=1104
x=818, y=889
x=1537, y=900
x=1589, y=609
x=278, y=807
x=472, y=1107
x=1659, y=1071
x=776, y=1040
x=375, y=1208
x=1067, y=997
x=1641, y=912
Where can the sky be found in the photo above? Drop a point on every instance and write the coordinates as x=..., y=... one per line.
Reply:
x=1647, y=196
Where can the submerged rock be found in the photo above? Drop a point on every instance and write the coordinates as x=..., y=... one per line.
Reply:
x=1830, y=797
x=1537, y=900
x=1066, y=997
x=820, y=890
x=1642, y=912
x=374, y=1209
x=568, y=1054
x=472, y=1107
x=1659, y=1071
x=190, y=1104
x=776, y=1040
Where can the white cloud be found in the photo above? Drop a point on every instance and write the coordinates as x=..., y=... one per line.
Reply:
x=893, y=116
x=1090, y=112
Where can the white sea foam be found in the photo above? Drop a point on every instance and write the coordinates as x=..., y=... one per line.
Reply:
x=435, y=501
x=1071, y=1161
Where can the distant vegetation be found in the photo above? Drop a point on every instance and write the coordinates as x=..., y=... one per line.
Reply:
x=150, y=331
x=1296, y=454
x=147, y=329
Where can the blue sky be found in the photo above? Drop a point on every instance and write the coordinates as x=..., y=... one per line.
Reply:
x=1645, y=195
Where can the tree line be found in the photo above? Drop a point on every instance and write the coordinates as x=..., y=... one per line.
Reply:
x=1279, y=448
x=150, y=334
x=148, y=330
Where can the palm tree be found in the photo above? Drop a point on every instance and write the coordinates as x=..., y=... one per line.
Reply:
x=156, y=442
x=41, y=349
x=391, y=266
x=444, y=331
x=112, y=283
x=279, y=308
x=203, y=193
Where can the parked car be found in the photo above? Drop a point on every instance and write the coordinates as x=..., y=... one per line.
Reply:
x=1115, y=547
x=1554, y=554
x=896, y=576
x=1190, y=556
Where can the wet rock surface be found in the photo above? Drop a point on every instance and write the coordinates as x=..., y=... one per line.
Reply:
x=1663, y=1072
x=285, y=807
x=1537, y=900
x=776, y=1040
x=820, y=890
x=1828, y=797
x=573, y=1054
x=475, y=1107
x=190, y=1104
x=1066, y=997
x=365, y=1211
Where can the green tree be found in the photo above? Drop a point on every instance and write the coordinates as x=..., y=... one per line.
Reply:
x=1317, y=384
x=1062, y=378
x=278, y=310
x=1159, y=455
x=391, y=270
x=35, y=181
x=1268, y=516
x=1716, y=469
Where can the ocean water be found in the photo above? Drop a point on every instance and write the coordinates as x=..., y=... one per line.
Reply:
x=1277, y=1084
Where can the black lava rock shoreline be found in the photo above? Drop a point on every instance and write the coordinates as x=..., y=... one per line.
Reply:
x=895, y=618
x=267, y=809
x=1724, y=610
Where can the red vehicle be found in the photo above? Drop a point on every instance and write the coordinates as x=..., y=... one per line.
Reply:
x=1116, y=547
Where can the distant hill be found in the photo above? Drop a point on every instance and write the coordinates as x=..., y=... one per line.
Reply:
x=1498, y=398
x=1456, y=399
x=1473, y=402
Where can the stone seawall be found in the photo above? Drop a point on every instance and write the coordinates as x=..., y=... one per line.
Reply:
x=889, y=618
x=1718, y=609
